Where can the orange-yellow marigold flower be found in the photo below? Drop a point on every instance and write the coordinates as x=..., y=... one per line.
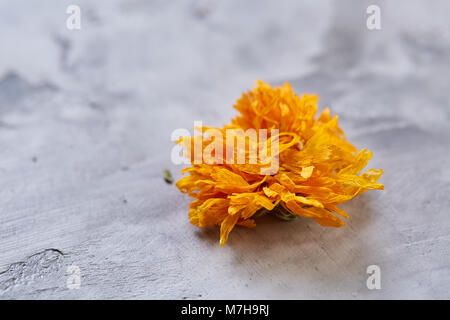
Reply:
x=318, y=168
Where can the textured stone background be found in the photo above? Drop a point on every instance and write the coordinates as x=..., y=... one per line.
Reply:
x=85, y=123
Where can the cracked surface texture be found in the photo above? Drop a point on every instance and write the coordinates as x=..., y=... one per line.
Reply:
x=85, y=124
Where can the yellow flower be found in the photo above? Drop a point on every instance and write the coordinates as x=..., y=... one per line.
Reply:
x=318, y=168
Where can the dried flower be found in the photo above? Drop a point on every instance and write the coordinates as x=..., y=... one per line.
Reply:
x=318, y=167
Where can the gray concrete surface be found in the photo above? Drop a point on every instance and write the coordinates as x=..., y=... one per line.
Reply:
x=85, y=123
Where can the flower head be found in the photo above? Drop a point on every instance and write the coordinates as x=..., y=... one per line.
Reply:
x=318, y=169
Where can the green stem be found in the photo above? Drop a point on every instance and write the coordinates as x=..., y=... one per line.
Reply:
x=279, y=211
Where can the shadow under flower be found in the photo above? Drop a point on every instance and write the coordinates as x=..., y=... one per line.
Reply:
x=288, y=254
